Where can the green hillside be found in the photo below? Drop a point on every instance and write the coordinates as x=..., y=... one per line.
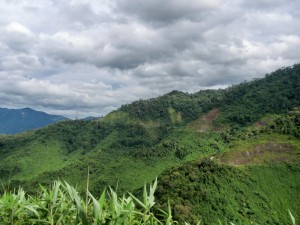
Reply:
x=276, y=93
x=248, y=135
x=113, y=148
x=255, y=179
x=114, y=153
x=207, y=191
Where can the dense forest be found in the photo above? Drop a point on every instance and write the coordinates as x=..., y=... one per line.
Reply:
x=231, y=155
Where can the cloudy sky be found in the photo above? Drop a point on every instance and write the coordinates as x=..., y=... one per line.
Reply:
x=87, y=57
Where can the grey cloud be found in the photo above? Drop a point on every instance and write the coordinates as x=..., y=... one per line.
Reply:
x=267, y=4
x=81, y=58
x=125, y=47
x=21, y=62
x=17, y=37
x=48, y=95
x=188, y=75
x=82, y=14
x=166, y=11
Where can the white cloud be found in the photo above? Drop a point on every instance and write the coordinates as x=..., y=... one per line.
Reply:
x=87, y=57
x=19, y=29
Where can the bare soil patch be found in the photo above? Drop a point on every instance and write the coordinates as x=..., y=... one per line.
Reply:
x=203, y=123
x=271, y=152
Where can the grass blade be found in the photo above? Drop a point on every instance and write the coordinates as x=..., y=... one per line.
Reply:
x=292, y=218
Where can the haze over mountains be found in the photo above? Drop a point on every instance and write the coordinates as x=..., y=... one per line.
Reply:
x=14, y=121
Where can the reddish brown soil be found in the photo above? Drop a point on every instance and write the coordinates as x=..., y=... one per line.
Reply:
x=203, y=124
x=211, y=115
x=260, y=123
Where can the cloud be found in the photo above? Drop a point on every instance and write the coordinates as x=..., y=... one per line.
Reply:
x=165, y=12
x=17, y=36
x=46, y=94
x=87, y=57
x=267, y=4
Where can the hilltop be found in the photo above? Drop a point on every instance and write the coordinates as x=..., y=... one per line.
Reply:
x=244, y=132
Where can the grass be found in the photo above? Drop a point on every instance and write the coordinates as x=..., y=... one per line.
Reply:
x=175, y=117
x=32, y=160
x=62, y=204
x=46, y=159
x=51, y=154
x=264, y=148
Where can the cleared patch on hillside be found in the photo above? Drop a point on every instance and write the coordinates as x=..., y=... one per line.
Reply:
x=264, y=121
x=175, y=116
x=262, y=151
x=116, y=116
x=149, y=124
x=124, y=118
x=204, y=123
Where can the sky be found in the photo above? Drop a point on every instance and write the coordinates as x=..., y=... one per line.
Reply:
x=81, y=58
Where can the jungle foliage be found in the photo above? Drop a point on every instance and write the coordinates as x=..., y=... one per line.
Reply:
x=258, y=194
x=248, y=134
x=276, y=93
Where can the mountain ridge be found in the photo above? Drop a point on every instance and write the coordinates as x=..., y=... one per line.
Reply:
x=14, y=121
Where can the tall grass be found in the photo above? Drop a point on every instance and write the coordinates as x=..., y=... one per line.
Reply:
x=62, y=204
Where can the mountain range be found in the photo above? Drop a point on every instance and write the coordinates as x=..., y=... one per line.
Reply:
x=230, y=154
x=14, y=121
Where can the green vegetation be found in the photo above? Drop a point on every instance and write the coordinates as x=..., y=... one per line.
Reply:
x=130, y=139
x=258, y=194
x=62, y=204
x=265, y=148
x=277, y=93
x=175, y=107
x=227, y=154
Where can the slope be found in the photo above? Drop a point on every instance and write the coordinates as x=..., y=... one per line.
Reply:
x=207, y=191
x=114, y=148
x=276, y=93
x=255, y=180
x=139, y=141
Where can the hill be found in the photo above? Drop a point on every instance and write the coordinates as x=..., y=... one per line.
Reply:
x=254, y=180
x=208, y=191
x=276, y=93
x=14, y=121
x=248, y=130
x=114, y=148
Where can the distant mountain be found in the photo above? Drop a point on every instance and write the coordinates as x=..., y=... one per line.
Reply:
x=14, y=121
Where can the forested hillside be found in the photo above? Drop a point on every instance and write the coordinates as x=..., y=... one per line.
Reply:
x=276, y=93
x=254, y=180
x=231, y=154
